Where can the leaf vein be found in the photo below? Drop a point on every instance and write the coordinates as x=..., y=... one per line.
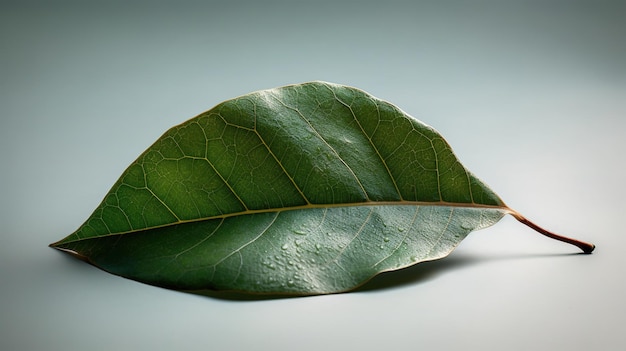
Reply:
x=332, y=149
x=369, y=139
x=406, y=233
x=280, y=164
x=201, y=241
x=249, y=242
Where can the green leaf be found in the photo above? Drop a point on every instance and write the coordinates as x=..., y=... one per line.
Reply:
x=304, y=189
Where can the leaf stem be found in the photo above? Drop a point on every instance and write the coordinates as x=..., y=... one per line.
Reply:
x=585, y=247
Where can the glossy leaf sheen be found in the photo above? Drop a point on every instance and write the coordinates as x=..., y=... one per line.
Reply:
x=305, y=189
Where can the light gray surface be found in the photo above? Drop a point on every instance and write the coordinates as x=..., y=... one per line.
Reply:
x=531, y=96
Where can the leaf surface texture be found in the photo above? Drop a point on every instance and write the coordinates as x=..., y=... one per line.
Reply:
x=304, y=189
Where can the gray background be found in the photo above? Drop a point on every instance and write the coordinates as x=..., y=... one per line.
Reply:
x=531, y=95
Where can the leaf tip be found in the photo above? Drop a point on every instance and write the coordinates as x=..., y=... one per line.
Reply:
x=57, y=246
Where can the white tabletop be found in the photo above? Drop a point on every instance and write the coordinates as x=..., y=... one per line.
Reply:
x=531, y=97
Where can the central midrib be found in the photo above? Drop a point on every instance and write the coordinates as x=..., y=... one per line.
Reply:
x=502, y=208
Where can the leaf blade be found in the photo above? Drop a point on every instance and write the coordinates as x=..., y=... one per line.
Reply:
x=299, y=150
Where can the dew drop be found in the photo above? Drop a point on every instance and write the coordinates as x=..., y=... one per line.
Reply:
x=386, y=239
x=382, y=247
x=318, y=246
x=400, y=229
x=284, y=247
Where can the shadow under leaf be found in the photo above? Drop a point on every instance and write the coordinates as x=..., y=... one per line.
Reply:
x=425, y=271
x=418, y=273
